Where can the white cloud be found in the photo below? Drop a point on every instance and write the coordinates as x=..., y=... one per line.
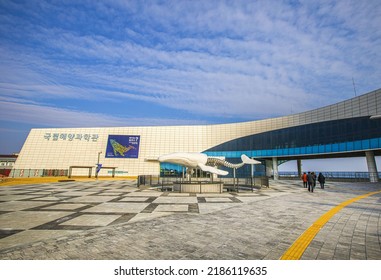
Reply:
x=41, y=115
x=243, y=59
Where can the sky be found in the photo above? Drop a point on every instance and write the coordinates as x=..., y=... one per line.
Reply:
x=136, y=63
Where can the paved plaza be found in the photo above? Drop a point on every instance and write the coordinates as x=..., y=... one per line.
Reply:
x=116, y=220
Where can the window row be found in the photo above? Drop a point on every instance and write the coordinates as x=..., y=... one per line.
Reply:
x=359, y=145
x=329, y=132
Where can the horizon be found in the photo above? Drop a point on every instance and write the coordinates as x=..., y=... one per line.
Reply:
x=349, y=164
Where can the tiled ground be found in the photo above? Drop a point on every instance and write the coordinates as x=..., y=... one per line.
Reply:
x=116, y=220
x=34, y=212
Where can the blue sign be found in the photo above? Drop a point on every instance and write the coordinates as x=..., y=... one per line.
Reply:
x=99, y=166
x=122, y=146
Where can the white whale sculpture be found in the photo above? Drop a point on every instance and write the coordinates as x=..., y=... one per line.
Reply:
x=204, y=162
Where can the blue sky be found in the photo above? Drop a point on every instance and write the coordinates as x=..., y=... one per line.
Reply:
x=133, y=63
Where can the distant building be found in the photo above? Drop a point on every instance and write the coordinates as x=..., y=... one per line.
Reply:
x=6, y=163
x=349, y=128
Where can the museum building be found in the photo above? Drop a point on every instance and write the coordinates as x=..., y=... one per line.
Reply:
x=348, y=128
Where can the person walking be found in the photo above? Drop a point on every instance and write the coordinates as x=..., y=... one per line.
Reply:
x=304, y=179
x=310, y=181
x=321, y=180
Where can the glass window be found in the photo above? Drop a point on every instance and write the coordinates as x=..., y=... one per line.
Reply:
x=365, y=144
x=315, y=149
x=342, y=147
x=350, y=146
x=328, y=148
x=374, y=143
x=321, y=149
x=357, y=145
x=348, y=132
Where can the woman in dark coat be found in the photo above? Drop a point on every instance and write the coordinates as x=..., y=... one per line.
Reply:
x=321, y=180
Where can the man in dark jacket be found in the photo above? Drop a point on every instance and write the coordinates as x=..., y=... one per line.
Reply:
x=310, y=181
x=321, y=180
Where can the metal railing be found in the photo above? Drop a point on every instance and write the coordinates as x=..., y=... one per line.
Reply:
x=30, y=173
x=346, y=176
x=231, y=184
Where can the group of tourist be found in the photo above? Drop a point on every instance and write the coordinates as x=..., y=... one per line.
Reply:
x=309, y=180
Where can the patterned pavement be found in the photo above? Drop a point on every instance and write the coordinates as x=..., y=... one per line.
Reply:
x=35, y=212
x=117, y=220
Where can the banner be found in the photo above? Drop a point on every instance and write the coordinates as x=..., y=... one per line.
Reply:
x=123, y=146
x=99, y=166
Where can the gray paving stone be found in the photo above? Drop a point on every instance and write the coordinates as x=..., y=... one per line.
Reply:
x=249, y=229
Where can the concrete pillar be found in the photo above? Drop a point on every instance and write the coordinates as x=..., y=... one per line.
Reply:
x=269, y=168
x=372, y=167
x=299, y=164
x=275, y=168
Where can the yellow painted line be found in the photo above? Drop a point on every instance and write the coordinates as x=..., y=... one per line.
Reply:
x=297, y=249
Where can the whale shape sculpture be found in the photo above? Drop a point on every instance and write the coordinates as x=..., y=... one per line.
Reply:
x=204, y=162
